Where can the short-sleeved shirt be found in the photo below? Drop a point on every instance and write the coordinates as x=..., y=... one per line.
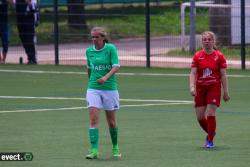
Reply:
x=100, y=62
x=208, y=67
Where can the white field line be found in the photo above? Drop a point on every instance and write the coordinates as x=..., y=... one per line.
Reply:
x=76, y=108
x=76, y=98
x=44, y=109
x=159, y=104
x=154, y=100
x=41, y=98
x=41, y=72
x=126, y=74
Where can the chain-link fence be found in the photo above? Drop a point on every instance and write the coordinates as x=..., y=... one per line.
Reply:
x=169, y=33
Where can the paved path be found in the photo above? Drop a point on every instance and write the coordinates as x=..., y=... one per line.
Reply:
x=131, y=53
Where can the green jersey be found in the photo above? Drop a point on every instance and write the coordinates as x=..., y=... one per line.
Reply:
x=100, y=62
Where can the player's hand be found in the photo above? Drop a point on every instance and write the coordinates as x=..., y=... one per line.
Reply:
x=226, y=96
x=192, y=91
x=101, y=80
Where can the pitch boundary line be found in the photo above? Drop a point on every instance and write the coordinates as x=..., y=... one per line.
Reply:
x=164, y=102
x=76, y=108
x=76, y=98
x=125, y=74
x=42, y=109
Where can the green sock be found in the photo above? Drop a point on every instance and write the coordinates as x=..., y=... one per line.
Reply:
x=114, y=136
x=94, y=136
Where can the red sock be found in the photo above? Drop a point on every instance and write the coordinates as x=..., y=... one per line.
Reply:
x=203, y=124
x=211, y=127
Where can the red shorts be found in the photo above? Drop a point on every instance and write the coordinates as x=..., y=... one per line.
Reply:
x=208, y=94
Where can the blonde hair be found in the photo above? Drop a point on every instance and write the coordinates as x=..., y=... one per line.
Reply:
x=102, y=31
x=212, y=35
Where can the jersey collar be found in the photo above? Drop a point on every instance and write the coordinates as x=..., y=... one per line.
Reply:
x=99, y=49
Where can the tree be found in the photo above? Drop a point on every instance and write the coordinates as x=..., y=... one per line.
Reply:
x=76, y=14
x=220, y=22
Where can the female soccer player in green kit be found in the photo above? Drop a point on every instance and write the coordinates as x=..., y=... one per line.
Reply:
x=102, y=93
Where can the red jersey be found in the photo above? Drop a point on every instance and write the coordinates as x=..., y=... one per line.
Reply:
x=208, y=67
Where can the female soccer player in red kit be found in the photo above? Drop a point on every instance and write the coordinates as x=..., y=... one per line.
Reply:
x=208, y=73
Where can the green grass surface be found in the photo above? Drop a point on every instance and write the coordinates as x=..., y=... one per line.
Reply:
x=164, y=135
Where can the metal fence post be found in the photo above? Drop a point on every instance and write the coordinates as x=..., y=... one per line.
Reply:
x=56, y=32
x=192, y=46
x=147, y=16
x=243, y=39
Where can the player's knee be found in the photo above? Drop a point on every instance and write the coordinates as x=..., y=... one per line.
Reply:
x=112, y=123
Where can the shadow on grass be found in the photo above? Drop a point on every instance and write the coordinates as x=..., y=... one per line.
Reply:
x=216, y=148
x=106, y=159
